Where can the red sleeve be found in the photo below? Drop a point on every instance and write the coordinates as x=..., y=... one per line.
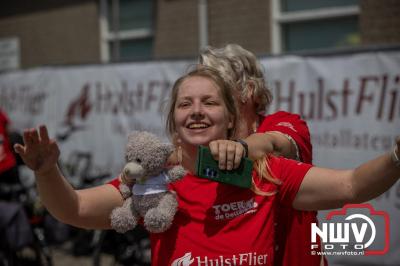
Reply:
x=115, y=182
x=7, y=158
x=4, y=119
x=292, y=125
x=291, y=173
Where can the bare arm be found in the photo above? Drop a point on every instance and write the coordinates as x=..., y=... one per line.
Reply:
x=228, y=153
x=327, y=188
x=282, y=134
x=261, y=144
x=88, y=208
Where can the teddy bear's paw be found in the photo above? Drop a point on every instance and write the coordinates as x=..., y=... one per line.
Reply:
x=156, y=221
x=122, y=220
x=176, y=173
x=125, y=191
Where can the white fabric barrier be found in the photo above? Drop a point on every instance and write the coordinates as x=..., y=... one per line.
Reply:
x=351, y=104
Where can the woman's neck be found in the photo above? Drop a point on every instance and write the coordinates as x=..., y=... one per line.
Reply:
x=248, y=123
x=189, y=154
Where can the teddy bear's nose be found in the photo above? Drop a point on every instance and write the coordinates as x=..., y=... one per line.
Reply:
x=133, y=171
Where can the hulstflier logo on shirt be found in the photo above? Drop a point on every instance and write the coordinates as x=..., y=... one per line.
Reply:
x=233, y=209
x=185, y=260
x=250, y=258
x=287, y=124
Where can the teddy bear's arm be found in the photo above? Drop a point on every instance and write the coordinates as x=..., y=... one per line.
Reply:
x=126, y=191
x=176, y=173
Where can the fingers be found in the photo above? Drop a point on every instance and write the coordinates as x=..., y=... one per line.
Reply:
x=230, y=156
x=18, y=148
x=44, y=135
x=213, y=145
x=27, y=137
x=217, y=149
x=239, y=153
x=32, y=136
x=228, y=153
x=222, y=156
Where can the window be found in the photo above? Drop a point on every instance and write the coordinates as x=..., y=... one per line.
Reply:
x=127, y=29
x=300, y=25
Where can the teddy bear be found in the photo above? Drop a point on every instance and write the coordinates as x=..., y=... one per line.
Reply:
x=148, y=198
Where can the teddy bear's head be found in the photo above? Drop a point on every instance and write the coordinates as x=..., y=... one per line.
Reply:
x=144, y=185
x=145, y=154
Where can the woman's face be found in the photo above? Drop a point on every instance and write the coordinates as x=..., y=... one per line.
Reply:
x=200, y=112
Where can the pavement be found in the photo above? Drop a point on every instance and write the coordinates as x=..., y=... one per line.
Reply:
x=63, y=257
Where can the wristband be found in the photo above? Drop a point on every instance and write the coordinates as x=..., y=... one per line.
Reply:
x=245, y=146
x=395, y=157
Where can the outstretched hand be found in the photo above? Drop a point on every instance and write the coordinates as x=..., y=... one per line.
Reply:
x=39, y=152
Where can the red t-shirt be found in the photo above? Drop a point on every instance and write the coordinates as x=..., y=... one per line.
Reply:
x=292, y=125
x=293, y=235
x=219, y=224
x=7, y=159
x=293, y=226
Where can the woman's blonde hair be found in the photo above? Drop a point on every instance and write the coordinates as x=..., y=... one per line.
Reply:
x=241, y=68
x=264, y=172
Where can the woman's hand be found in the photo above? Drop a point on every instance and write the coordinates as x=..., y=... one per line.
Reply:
x=39, y=152
x=228, y=153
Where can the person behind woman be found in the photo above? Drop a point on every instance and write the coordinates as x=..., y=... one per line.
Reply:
x=8, y=165
x=216, y=223
x=281, y=133
x=287, y=134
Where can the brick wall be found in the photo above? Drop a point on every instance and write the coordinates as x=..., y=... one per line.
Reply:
x=243, y=22
x=380, y=22
x=67, y=31
x=63, y=34
x=176, y=29
x=229, y=21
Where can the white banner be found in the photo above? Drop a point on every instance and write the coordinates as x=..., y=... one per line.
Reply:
x=91, y=109
x=351, y=104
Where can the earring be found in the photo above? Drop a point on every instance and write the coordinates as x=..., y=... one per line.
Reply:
x=179, y=154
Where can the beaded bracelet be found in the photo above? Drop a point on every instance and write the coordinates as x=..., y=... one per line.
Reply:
x=245, y=146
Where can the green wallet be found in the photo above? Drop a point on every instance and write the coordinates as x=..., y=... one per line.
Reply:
x=207, y=167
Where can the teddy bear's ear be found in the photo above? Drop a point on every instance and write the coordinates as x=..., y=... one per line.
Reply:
x=134, y=134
